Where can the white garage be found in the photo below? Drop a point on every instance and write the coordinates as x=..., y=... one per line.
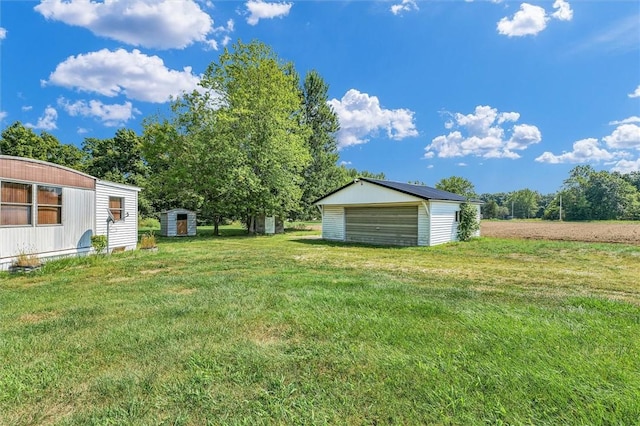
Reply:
x=373, y=211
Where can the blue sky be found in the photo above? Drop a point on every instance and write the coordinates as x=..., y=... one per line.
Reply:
x=507, y=94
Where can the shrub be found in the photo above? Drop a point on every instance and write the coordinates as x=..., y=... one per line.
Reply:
x=468, y=222
x=99, y=243
x=149, y=222
x=148, y=241
x=27, y=260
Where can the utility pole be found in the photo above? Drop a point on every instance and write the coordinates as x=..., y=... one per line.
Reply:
x=560, y=217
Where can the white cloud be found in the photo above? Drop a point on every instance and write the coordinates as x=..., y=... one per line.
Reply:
x=361, y=116
x=636, y=93
x=584, y=151
x=627, y=166
x=82, y=131
x=26, y=108
x=111, y=115
x=632, y=119
x=345, y=163
x=462, y=164
x=625, y=136
x=404, y=6
x=259, y=9
x=3, y=33
x=47, y=121
x=563, y=12
x=162, y=24
x=618, y=36
x=529, y=20
x=133, y=74
x=481, y=134
x=3, y=115
x=222, y=30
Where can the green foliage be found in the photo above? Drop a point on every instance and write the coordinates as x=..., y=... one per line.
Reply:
x=322, y=174
x=21, y=141
x=457, y=185
x=524, y=203
x=99, y=243
x=469, y=223
x=149, y=222
x=591, y=195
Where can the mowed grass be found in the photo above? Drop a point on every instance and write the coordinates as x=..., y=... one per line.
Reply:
x=293, y=330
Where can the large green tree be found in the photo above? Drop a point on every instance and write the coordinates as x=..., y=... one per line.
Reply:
x=322, y=174
x=457, y=185
x=238, y=146
x=524, y=203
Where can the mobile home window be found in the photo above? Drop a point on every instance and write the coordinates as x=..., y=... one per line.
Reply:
x=116, y=206
x=49, y=205
x=16, y=202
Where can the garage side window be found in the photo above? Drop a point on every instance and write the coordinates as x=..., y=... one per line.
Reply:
x=49, y=205
x=458, y=216
x=16, y=203
x=116, y=206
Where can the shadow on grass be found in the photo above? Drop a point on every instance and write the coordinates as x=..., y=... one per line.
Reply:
x=327, y=243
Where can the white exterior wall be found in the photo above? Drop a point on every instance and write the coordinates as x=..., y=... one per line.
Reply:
x=333, y=223
x=362, y=192
x=123, y=233
x=72, y=237
x=423, y=225
x=444, y=228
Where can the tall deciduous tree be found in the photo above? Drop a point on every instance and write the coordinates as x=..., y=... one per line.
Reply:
x=237, y=146
x=457, y=185
x=322, y=173
x=524, y=203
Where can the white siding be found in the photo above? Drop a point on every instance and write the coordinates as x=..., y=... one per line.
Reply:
x=367, y=193
x=333, y=223
x=444, y=228
x=423, y=225
x=123, y=233
x=72, y=237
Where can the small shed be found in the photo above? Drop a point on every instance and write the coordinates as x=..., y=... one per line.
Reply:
x=178, y=223
x=268, y=225
x=373, y=211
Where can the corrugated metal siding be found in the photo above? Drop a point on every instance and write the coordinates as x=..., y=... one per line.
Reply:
x=423, y=225
x=164, y=224
x=29, y=170
x=333, y=223
x=382, y=225
x=123, y=233
x=73, y=236
x=444, y=228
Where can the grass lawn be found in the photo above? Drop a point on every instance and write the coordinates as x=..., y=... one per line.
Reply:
x=293, y=330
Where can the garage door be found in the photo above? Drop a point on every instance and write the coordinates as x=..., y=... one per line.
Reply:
x=382, y=225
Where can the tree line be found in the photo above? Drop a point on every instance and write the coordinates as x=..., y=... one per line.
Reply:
x=254, y=139
x=586, y=194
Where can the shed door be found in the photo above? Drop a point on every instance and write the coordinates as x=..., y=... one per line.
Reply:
x=181, y=224
x=382, y=225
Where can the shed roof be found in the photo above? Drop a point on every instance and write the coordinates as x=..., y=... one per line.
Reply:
x=420, y=191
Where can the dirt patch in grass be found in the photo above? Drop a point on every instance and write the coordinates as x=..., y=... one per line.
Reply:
x=605, y=232
x=34, y=318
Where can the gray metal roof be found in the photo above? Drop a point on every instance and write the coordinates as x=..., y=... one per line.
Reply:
x=420, y=191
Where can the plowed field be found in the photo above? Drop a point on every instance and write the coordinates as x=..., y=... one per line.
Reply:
x=605, y=232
